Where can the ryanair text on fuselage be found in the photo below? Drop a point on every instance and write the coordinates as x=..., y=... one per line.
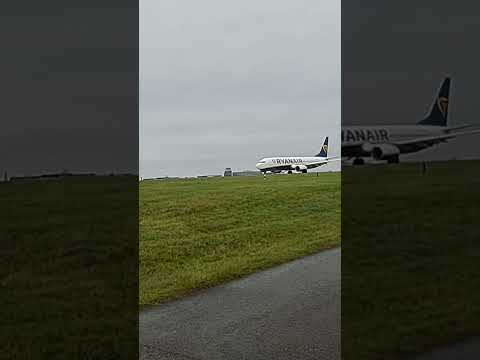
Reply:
x=288, y=161
x=370, y=135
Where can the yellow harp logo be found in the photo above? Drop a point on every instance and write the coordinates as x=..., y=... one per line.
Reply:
x=443, y=105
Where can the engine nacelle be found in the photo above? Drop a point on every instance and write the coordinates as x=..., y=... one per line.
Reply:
x=384, y=151
x=299, y=167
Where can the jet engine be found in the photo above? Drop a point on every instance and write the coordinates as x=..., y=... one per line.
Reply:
x=302, y=168
x=385, y=152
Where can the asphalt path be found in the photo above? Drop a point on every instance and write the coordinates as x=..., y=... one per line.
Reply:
x=291, y=311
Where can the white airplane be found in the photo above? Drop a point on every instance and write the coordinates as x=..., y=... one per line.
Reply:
x=389, y=141
x=295, y=163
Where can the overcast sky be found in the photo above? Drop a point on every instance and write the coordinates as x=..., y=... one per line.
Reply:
x=225, y=83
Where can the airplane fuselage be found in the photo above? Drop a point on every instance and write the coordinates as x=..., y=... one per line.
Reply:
x=360, y=137
x=279, y=164
x=288, y=163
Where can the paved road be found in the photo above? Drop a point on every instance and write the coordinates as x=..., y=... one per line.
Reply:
x=289, y=312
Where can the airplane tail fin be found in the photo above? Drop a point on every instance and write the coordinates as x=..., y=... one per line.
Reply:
x=439, y=113
x=323, y=152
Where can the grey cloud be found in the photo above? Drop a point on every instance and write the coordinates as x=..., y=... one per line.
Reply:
x=225, y=83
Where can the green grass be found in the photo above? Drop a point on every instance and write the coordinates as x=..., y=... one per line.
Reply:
x=410, y=258
x=202, y=232
x=69, y=279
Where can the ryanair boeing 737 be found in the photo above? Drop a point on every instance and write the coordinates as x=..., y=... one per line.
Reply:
x=279, y=164
x=389, y=141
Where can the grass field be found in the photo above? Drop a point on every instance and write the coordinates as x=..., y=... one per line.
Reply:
x=410, y=258
x=68, y=274
x=196, y=233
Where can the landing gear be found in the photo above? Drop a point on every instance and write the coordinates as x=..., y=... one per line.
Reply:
x=393, y=160
x=358, y=161
x=289, y=171
x=304, y=171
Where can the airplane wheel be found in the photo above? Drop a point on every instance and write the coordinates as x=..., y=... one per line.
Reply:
x=393, y=160
x=289, y=171
x=304, y=171
x=358, y=161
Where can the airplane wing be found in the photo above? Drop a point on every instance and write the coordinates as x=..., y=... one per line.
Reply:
x=324, y=161
x=407, y=146
x=458, y=127
x=424, y=142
